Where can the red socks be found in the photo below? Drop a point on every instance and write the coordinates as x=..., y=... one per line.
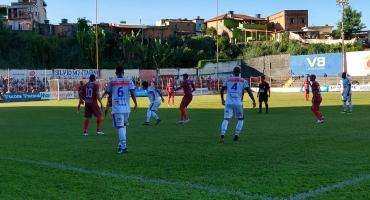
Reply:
x=183, y=114
x=86, y=125
x=99, y=122
x=318, y=115
x=307, y=96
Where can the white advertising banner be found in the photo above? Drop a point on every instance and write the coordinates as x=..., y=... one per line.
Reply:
x=23, y=73
x=74, y=73
x=358, y=63
x=355, y=88
x=174, y=72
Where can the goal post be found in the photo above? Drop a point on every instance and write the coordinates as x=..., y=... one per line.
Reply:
x=68, y=88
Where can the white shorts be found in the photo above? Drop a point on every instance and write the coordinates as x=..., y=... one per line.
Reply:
x=347, y=98
x=119, y=119
x=154, y=106
x=236, y=110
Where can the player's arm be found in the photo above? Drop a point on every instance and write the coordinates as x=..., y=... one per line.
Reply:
x=133, y=97
x=250, y=93
x=222, y=92
x=349, y=88
x=268, y=90
x=160, y=94
x=258, y=92
x=179, y=88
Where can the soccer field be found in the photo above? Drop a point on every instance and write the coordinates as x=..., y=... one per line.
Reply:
x=280, y=155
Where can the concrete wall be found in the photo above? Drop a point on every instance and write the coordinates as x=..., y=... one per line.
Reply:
x=274, y=66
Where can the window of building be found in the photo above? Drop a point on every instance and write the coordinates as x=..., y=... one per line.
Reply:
x=303, y=21
x=291, y=20
x=272, y=24
x=176, y=26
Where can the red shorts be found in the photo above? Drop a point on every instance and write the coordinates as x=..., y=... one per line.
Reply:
x=171, y=95
x=186, y=100
x=316, y=105
x=92, y=110
x=307, y=91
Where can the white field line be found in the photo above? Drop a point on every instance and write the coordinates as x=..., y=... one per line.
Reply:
x=142, y=179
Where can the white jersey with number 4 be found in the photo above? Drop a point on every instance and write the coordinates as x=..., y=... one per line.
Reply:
x=120, y=89
x=345, y=86
x=235, y=87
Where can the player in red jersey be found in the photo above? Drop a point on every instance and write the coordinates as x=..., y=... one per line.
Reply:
x=92, y=97
x=170, y=92
x=188, y=87
x=109, y=103
x=316, y=98
x=79, y=95
x=306, y=88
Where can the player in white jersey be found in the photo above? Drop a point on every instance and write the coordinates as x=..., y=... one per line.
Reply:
x=155, y=98
x=233, y=105
x=345, y=89
x=120, y=88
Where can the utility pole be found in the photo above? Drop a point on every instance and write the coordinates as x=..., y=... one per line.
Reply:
x=343, y=3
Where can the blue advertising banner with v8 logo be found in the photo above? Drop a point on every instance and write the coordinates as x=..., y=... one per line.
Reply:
x=318, y=64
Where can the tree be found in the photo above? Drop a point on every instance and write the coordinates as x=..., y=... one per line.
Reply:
x=211, y=31
x=203, y=28
x=352, y=21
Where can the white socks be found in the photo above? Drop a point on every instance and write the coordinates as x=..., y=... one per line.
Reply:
x=154, y=114
x=148, y=114
x=344, y=106
x=122, y=137
x=224, y=127
x=239, y=127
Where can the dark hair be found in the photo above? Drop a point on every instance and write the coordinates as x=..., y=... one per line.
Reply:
x=81, y=82
x=236, y=70
x=263, y=77
x=185, y=76
x=145, y=84
x=119, y=69
x=92, y=77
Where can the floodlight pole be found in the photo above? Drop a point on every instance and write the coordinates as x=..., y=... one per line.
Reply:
x=96, y=39
x=343, y=3
x=217, y=39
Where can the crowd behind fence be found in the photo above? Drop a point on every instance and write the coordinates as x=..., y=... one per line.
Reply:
x=35, y=84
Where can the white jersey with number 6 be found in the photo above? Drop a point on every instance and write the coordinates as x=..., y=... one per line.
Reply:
x=120, y=89
x=235, y=86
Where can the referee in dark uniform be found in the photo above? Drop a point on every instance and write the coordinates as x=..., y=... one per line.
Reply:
x=263, y=94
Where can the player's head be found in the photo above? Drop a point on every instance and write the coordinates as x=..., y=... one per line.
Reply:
x=263, y=78
x=312, y=77
x=236, y=71
x=81, y=83
x=344, y=75
x=92, y=78
x=170, y=80
x=120, y=71
x=152, y=84
x=145, y=85
x=185, y=76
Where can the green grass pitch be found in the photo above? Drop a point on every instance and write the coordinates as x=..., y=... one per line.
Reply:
x=280, y=155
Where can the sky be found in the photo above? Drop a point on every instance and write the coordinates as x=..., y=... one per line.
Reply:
x=320, y=12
